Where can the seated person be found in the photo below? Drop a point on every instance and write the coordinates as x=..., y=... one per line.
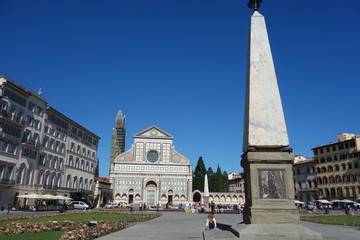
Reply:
x=210, y=222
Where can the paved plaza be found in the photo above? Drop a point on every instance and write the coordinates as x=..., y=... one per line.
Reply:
x=178, y=226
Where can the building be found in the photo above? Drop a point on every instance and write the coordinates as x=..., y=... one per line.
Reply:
x=151, y=171
x=41, y=150
x=305, y=180
x=103, y=192
x=337, y=168
x=118, y=136
x=236, y=182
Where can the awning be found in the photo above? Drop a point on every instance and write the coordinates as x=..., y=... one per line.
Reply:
x=343, y=201
x=46, y=196
x=324, y=201
x=33, y=195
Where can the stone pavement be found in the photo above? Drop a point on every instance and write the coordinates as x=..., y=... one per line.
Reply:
x=179, y=226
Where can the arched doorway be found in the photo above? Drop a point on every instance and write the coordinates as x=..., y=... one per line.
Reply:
x=131, y=196
x=151, y=193
x=196, y=196
x=170, y=197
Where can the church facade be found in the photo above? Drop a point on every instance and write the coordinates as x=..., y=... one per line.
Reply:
x=151, y=171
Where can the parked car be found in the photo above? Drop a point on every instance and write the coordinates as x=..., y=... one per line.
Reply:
x=111, y=205
x=123, y=204
x=84, y=200
x=80, y=205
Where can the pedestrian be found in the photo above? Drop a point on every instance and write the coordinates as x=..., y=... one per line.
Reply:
x=212, y=206
x=210, y=222
x=140, y=206
x=144, y=206
x=158, y=207
x=9, y=208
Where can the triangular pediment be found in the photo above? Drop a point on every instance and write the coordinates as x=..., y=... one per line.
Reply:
x=153, y=132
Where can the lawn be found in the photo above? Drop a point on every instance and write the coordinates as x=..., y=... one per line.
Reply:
x=64, y=226
x=345, y=220
x=34, y=236
x=83, y=216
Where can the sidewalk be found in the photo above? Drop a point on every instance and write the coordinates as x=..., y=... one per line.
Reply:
x=179, y=226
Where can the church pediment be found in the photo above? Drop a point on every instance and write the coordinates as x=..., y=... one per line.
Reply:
x=153, y=132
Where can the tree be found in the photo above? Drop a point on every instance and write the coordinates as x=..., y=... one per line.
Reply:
x=216, y=181
x=97, y=168
x=199, y=175
x=225, y=182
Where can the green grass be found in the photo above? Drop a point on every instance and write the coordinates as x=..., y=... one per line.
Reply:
x=77, y=217
x=345, y=220
x=34, y=236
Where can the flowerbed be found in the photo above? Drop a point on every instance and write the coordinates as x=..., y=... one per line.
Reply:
x=74, y=229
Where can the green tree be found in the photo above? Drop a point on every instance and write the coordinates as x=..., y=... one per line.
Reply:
x=216, y=180
x=199, y=175
x=225, y=182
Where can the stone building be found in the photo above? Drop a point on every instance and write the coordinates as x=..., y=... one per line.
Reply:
x=152, y=171
x=103, y=191
x=41, y=150
x=236, y=182
x=305, y=180
x=337, y=168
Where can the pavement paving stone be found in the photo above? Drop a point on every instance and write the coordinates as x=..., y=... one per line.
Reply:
x=179, y=226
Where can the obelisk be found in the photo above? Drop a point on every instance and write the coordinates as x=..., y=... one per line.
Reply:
x=206, y=190
x=267, y=160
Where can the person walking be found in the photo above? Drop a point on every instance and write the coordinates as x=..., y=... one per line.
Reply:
x=212, y=206
x=158, y=207
x=9, y=208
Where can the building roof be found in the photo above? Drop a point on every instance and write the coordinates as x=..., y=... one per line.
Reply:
x=102, y=179
x=333, y=143
x=305, y=161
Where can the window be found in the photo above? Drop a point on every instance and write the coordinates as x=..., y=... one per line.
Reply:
x=29, y=153
x=15, y=97
x=334, y=148
x=11, y=130
x=341, y=147
x=58, y=121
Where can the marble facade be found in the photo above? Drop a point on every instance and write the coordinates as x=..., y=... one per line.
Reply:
x=152, y=171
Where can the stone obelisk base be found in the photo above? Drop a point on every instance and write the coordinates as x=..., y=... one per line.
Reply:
x=269, y=188
x=274, y=231
x=270, y=211
x=206, y=201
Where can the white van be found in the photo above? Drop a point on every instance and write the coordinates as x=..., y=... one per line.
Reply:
x=111, y=205
x=80, y=205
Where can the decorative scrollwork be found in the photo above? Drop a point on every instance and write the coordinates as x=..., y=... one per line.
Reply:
x=254, y=4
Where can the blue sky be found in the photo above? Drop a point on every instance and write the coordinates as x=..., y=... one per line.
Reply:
x=181, y=65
